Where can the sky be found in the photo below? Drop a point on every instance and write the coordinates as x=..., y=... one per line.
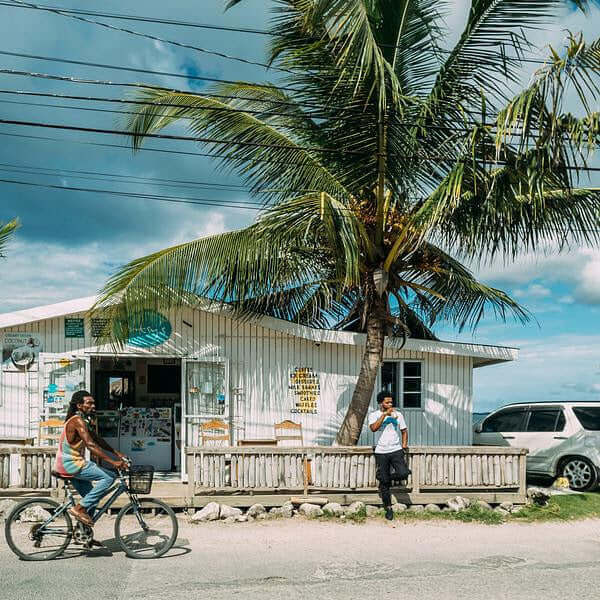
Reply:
x=70, y=241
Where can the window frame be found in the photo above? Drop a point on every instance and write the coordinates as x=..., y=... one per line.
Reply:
x=400, y=382
x=524, y=419
x=559, y=411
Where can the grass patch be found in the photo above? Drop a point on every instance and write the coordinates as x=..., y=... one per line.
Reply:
x=473, y=514
x=360, y=516
x=562, y=508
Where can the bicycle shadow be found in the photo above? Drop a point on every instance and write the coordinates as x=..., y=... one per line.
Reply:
x=111, y=547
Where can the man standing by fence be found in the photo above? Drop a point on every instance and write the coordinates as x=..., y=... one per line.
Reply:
x=389, y=451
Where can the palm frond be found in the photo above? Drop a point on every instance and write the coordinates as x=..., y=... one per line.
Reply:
x=6, y=232
x=266, y=150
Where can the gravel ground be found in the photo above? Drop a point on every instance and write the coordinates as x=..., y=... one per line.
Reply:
x=298, y=559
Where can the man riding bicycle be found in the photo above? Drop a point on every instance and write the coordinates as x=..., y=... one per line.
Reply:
x=79, y=433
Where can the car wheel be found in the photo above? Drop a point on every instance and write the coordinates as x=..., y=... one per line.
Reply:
x=580, y=472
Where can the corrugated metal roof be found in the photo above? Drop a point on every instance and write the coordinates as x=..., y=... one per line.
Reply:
x=482, y=354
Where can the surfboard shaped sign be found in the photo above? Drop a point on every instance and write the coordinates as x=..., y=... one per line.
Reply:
x=148, y=329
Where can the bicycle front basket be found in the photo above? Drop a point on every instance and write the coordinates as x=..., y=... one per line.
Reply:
x=140, y=479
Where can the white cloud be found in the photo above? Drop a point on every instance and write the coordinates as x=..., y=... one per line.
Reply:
x=578, y=269
x=535, y=290
x=557, y=367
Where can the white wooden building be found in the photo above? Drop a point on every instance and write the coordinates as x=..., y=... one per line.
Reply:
x=201, y=364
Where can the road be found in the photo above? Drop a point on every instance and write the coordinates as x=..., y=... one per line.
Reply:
x=296, y=560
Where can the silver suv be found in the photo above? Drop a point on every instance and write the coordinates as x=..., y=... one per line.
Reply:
x=563, y=438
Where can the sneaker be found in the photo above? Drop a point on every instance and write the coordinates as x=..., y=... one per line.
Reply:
x=389, y=513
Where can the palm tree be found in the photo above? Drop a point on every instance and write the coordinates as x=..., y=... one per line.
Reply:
x=384, y=165
x=6, y=231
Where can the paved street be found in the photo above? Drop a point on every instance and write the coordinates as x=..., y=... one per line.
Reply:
x=297, y=560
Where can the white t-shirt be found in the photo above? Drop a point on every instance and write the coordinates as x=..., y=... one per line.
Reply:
x=388, y=435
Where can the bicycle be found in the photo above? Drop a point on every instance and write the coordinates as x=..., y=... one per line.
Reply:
x=42, y=529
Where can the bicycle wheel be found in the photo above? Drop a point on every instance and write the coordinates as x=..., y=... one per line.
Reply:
x=146, y=528
x=34, y=532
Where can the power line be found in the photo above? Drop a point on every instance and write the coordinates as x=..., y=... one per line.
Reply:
x=132, y=112
x=156, y=181
x=167, y=136
x=155, y=197
x=128, y=147
x=190, y=24
x=155, y=38
x=151, y=72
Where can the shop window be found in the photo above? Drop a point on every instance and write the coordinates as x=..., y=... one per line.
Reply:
x=404, y=380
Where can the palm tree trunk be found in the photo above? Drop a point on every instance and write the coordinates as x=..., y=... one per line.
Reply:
x=361, y=398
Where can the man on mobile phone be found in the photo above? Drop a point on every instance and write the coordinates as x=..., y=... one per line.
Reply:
x=392, y=442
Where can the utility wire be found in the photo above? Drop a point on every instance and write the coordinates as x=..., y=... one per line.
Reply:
x=155, y=38
x=155, y=197
x=133, y=179
x=191, y=24
x=133, y=102
x=181, y=137
x=243, y=143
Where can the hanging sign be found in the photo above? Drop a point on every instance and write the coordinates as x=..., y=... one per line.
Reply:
x=20, y=350
x=305, y=388
x=74, y=328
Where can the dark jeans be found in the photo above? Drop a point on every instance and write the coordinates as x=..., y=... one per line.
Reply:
x=386, y=463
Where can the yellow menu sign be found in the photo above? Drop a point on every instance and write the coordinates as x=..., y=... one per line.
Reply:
x=305, y=389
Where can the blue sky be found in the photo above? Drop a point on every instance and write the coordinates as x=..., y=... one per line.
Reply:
x=70, y=241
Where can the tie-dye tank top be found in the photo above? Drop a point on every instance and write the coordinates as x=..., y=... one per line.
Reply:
x=69, y=457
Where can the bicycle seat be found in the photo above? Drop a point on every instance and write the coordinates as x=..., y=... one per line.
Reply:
x=59, y=476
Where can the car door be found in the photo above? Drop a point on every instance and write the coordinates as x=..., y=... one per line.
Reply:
x=502, y=428
x=545, y=433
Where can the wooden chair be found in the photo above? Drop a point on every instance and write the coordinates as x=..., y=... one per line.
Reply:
x=214, y=433
x=288, y=433
x=45, y=431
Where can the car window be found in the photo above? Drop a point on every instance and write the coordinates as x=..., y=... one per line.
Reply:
x=545, y=420
x=511, y=419
x=588, y=416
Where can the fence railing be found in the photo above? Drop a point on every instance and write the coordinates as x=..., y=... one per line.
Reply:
x=229, y=469
x=26, y=467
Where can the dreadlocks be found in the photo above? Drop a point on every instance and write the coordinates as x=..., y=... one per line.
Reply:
x=76, y=399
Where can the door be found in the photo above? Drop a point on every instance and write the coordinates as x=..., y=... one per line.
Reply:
x=545, y=434
x=502, y=428
x=205, y=396
x=60, y=376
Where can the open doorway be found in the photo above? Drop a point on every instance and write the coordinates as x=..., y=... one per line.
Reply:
x=138, y=403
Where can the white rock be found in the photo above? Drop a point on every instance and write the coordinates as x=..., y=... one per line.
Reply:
x=210, y=512
x=229, y=511
x=501, y=511
x=433, y=508
x=249, y=519
x=241, y=519
x=507, y=506
x=458, y=503
x=483, y=504
x=310, y=510
x=255, y=510
x=333, y=509
x=372, y=511
x=355, y=508
x=34, y=514
x=6, y=507
x=416, y=508
x=262, y=516
x=229, y=520
x=516, y=509
x=398, y=508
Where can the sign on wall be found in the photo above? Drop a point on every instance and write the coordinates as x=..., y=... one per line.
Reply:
x=305, y=388
x=98, y=327
x=20, y=350
x=74, y=328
